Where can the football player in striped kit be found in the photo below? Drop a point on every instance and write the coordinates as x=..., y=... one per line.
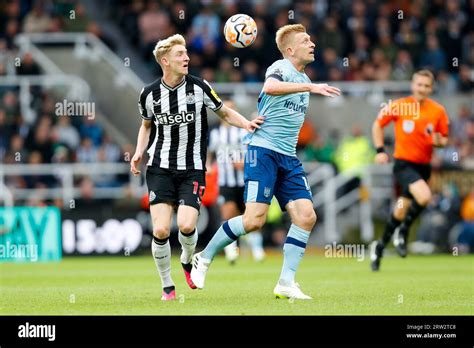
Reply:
x=174, y=133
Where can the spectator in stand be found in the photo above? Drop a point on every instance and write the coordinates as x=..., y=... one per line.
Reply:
x=112, y=151
x=87, y=152
x=77, y=21
x=9, y=104
x=320, y=150
x=90, y=129
x=154, y=24
x=466, y=79
x=331, y=36
x=205, y=29
x=37, y=20
x=66, y=134
x=433, y=58
x=403, y=68
x=28, y=66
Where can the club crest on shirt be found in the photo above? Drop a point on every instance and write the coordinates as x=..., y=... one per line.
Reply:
x=408, y=126
x=190, y=98
x=266, y=192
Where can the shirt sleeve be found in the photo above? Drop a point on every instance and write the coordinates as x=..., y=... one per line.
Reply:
x=142, y=106
x=275, y=71
x=211, y=99
x=385, y=116
x=443, y=123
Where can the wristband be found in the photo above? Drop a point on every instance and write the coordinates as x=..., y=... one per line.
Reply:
x=380, y=149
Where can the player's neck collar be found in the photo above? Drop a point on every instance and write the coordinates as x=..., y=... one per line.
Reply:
x=175, y=87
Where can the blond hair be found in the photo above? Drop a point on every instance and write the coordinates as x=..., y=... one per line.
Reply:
x=165, y=45
x=426, y=73
x=284, y=33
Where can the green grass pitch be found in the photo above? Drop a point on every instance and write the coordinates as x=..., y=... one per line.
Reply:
x=128, y=285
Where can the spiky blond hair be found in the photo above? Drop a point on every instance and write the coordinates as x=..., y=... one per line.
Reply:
x=284, y=33
x=426, y=73
x=165, y=45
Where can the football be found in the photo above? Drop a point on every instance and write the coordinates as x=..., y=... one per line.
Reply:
x=240, y=30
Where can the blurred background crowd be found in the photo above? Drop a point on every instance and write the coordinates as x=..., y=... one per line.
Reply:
x=355, y=41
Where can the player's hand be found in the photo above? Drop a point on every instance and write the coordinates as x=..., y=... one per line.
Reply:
x=134, y=164
x=325, y=89
x=254, y=124
x=381, y=158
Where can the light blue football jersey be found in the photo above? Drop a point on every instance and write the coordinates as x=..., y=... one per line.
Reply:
x=284, y=115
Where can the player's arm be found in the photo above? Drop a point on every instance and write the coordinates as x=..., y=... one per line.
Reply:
x=378, y=137
x=440, y=134
x=235, y=119
x=142, y=142
x=439, y=140
x=275, y=87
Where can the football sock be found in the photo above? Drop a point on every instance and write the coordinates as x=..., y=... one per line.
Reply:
x=168, y=289
x=188, y=244
x=293, y=251
x=160, y=248
x=255, y=240
x=230, y=231
x=413, y=212
x=392, y=224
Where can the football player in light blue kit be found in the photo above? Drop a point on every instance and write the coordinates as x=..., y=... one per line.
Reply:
x=271, y=166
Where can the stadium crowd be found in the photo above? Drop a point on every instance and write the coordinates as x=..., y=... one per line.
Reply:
x=356, y=41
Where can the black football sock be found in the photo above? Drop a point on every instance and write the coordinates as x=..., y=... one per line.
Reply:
x=392, y=224
x=413, y=212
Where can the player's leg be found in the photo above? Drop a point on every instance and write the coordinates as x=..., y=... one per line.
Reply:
x=229, y=209
x=294, y=195
x=252, y=220
x=260, y=178
x=191, y=186
x=162, y=195
x=161, y=215
x=187, y=236
x=396, y=218
x=421, y=197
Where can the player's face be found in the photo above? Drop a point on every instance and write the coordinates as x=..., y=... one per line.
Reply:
x=178, y=60
x=304, y=48
x=421, y=87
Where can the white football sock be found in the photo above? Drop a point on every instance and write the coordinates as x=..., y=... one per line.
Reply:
x=188, y=245
x=162, y=256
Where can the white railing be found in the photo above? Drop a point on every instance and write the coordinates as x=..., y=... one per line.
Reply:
x=86, y=45
x=65, y=174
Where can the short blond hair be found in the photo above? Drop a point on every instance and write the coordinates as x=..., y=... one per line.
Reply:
x=426, y=73
x=165, y=45
x=283, y=34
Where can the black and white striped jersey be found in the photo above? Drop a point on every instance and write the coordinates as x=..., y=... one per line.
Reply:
x=226, y=143
x=179, y=134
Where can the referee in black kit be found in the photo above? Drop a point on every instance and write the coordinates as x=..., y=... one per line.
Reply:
x=174, y=131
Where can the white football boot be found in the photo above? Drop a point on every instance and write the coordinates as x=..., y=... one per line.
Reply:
x=292, y=291
x=200, y=267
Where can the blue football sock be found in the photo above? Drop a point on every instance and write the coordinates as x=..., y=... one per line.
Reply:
x=229, y=231
x=293, y=251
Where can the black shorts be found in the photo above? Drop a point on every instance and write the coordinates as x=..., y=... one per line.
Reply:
x=233, y=194
x=177, y=187
x=407, y=173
